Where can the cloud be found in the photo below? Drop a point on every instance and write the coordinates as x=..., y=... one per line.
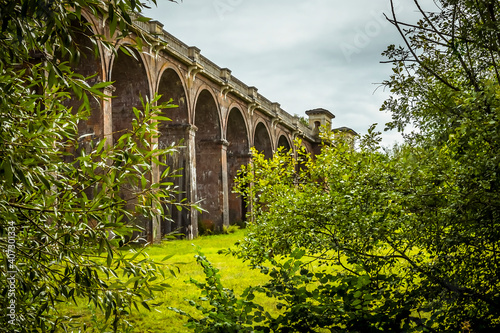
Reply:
x=301, y=54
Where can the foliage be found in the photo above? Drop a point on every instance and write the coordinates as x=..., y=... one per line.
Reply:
x=63, y=211
x=235, y=275
x=405, y=239
x=341, y=213
x=225, y=312
x=206, y=227
x=446, y=83
x=230, y=229
x=303, y=120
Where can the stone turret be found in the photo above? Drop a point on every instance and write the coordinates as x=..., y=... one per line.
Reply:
x=347, y=134
x=320, y=117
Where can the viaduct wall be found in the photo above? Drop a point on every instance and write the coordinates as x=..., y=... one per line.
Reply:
x=218, y=118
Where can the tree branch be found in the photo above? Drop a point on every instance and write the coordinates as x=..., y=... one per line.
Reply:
x=396, y=24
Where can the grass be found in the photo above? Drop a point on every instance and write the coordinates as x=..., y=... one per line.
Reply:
x=235, y=274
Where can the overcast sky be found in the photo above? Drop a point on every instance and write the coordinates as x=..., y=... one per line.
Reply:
x=303, y=54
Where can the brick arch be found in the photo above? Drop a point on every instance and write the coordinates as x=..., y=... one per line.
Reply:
x=262, y=139
x=142, y=57
x=237, y=107
x=171, y=86
x=93, y=25
x=237, y=133
x=198, y=116
x=237, y=155
x=88, y=65
x=283, y=141
x=130, y=80
x=209, y=148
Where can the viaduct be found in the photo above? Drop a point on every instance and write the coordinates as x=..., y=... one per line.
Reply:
x=218, y=118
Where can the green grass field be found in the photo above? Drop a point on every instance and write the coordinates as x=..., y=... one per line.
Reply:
x=235, y=274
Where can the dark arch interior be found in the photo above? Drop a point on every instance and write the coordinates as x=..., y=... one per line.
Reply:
x=207, y=118
x=262, y=141
x=209, y=161
x=87, y=63
x=175, y=132
x=283, y=142
x=171, y=87
x=237, y=155
x=237, y=135
x=130, y=82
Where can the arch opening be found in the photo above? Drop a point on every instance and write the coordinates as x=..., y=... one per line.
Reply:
x=262, y=141
x=175, y=132
x=209, y=163
x=283, y=142
x=130, y=83
x=237, y=155
x=87, y=63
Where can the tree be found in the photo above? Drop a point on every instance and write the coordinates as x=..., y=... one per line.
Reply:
x=400, y=240
x=62, y=218
x=446, y=82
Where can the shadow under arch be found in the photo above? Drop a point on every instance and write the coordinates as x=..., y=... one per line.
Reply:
x=283, y=142
x=175, y=132
x=130, y=83
x=87, y=62
x=262, y=140
x=209, y=162
x=238, y=154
